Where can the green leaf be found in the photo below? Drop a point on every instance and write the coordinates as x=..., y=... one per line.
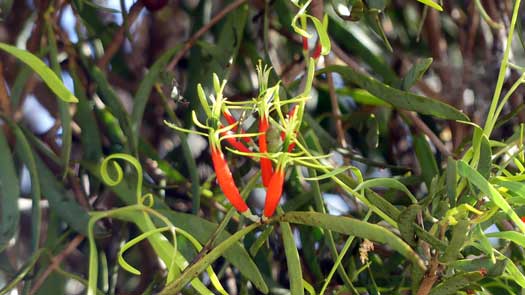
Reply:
x=453, y=284
x=90, y=135
x=513, y=236
x=485, y=157
x=375, y=24
x=237, y=255
x=406, y=224
x=9, y=194
x=292, y=259
x=459, y=235
x=47, y=75
x=415, y=73
x=426, y=159
x=60, y=200
x=483, y=185
x=398, y=98
x=24, y=152
x=113, y=103
x=494, y=269
x=383, y=205
x=143, y=93
x=199, y=266
x=386, y=182
x=452, y=181
x=63, y=107
x=514, y=272
x=432, y=4
x=354, y=227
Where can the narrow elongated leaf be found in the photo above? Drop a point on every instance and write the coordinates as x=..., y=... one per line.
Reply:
x=514, y=272
x=63, y=107
x=383, y=204
x=432, y=4
x=485, y=157
x=415, y=73
x=237, y=255
x=60, y=200
x=483, y=185
x=512, y=236
x=9, y=194
x=110, y=98
x=24, y=152
x=459, y=235
x=398, y=98
x=388, y=183
x=90, y=135
x=47, y=75
x=354, y=227
x=426, y=159
x=493, y=268
x=406, y=223
x=451, y=181
x=455, y=283
x=144, y=90
x=292, y=260
x=199, y=266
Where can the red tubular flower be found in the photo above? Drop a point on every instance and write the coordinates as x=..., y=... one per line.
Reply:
x=236, y=144
x=266, y=164
x=305, y=43
x=225, y=180
x=274, y=192
x=317, y=51
x=231, y=120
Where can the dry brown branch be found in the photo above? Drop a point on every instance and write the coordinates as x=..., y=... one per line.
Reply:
x=189, y=44
x=114, y=46
x=55, y=262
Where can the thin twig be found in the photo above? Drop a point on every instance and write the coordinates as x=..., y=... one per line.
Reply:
x=189, y=44
x=422, y=127
x=114, y=46
x=55, y=262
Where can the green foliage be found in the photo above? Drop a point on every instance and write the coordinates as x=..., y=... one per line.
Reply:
x=362, y=99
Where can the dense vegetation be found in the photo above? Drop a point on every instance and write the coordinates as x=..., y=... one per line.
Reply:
x=248, y=147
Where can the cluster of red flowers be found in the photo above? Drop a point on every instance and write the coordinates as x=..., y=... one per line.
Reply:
x=222, y=125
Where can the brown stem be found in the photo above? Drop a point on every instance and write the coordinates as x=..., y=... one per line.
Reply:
x=55, y=263
x=189, y=44
x=422, y=127
x=114, y=46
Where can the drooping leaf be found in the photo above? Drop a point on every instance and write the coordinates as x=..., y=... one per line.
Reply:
x=432, y=4
x=406, y=224
x=9, y=194
x=455, y=283
x=426, y=159
x=356, y=228
x=398, y=98
x=483, y=185
x=237, y=255
x=47, y=75
x=415, y=73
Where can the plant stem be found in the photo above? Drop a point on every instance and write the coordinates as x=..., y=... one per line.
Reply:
x=492, y=116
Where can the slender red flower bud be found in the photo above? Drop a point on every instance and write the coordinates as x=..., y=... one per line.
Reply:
x=274, y=192
x=230, y=119
x=305, y=43
x=236, y=144
x=317, y=51
x=225, y=180
x=266, y=164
